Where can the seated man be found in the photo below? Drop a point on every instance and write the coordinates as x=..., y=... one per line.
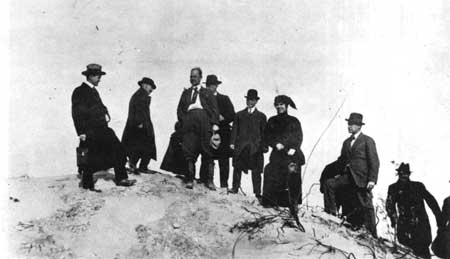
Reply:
x=282, y=176
x=91, y=119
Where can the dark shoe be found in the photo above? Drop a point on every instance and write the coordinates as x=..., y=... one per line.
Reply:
x=233, y=190
x=211, y=186
x=146, y=171
x=190, y=184
x=126, y=182
x=94, y=190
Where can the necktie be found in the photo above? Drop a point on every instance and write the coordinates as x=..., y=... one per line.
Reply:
x=194, y=96
x=352, y=138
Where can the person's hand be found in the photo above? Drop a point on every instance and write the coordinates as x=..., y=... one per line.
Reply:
x=291, y=152
x=232, y=146
x=82, y=137
x=279, y=146
x=221, y=118
x=215, y=127
x=141, y=125
x=370, y=185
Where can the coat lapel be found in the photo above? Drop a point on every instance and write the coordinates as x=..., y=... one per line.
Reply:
x=357, y=142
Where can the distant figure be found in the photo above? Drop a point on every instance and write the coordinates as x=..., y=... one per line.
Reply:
x=406, y=209
x=282, y=176
x=360, y=159
x=247, y=141
x=199, y=116
x=441, y=244
x=91, y=119
x=138, y=136
x=226, y=116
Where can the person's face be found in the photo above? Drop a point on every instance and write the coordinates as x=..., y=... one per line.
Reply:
x=195, y=77
x=402, y=176
x=281, y=108
x=147, y=88
x=213, y=88
x=251, y=103
x=353, y=129
x=94, y=79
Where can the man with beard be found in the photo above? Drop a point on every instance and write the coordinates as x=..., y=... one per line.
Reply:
x=247, y=141
x=360, y=159
x=406, y=209
x=226, y=116
x=282, y=176
x=199, y=116
x=91, y=119
x=139, y=136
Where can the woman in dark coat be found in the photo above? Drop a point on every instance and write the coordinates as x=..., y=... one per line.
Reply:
x=282, y=176
x=138, y=135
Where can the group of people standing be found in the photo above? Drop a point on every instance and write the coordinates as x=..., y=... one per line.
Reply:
x=208, y=125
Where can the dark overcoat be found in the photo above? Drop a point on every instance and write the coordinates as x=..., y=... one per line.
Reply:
x=139, y=140
x=287, y=130
x=362, y=159
x=173, y=160
x=248, y=134
x=405, y=201
x=441, y=244
x=226, y=109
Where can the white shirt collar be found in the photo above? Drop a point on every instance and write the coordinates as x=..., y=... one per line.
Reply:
x=357, y=134
x=251, y=110
x=89, y=84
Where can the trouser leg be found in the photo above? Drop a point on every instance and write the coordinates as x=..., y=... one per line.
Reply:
x=145, y=160
x=204, y=170
x=133, y=160
x=190, y=174
x=119, y=157
x=236, y=179
x=256, y=181
x=224, y=166
x=87, y=179
x=210, y=180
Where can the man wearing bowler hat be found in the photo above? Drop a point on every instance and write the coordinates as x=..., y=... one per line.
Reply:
x=91, y=119
x=199, y=117
x=360, y=159
x=247, y=141
x=226, y=116
x=406, y=209
x=139, y=136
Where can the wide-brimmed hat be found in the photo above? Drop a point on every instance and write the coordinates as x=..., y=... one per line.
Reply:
x=252, y=94
x=355, y=119
x=285, y=100
x=212, y=80
x=404, y=167
x=93, y=69
x=149, y=81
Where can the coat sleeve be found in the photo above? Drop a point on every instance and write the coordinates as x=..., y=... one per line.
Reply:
x=434, y=206
x=234, y=130
x=294, y=137
x=269, y=138
x=80, y=111
x=212, y=109
x=139, y=109
x=391, y=202
x=180, y=112
x=446, y=212
x=372, y=160
x=228, y=113
x=263, y=123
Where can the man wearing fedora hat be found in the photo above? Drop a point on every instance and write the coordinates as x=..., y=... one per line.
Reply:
x=282, y=176
x=247, y=141
x=360, y=159
x=223, y=152
x=139, y=136
x=406, y=210
x=198, y=114
x=91, y=119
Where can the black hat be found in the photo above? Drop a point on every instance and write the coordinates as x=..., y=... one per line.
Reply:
x=252, y=94
x=355, y=119
x=403, y=168
x=284, y=99
x=149, y=81
x=93, y=69
x=212, y=80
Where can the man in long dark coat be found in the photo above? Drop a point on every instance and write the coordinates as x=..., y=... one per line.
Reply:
x=282, y=176
x=91, y=119
x=139, y=136
x=199, y=116
x=406, y=209
x=247, y=141
x=360, y=157
x=226, y=116
x=441, y=244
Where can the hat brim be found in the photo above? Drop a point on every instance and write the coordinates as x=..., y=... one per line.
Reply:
x=351, y=122
x=153, y=86
x=95, y=73
x=252, y=98
x=213, y=83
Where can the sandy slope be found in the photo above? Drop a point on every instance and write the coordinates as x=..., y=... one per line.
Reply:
x=159, y=218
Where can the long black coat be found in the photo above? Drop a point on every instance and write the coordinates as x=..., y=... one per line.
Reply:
x=441, y=244
x=139, y=140
x=362, y=159
x=226, y=109
x=413, y=226
x=248, y=133
x=287, y=130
